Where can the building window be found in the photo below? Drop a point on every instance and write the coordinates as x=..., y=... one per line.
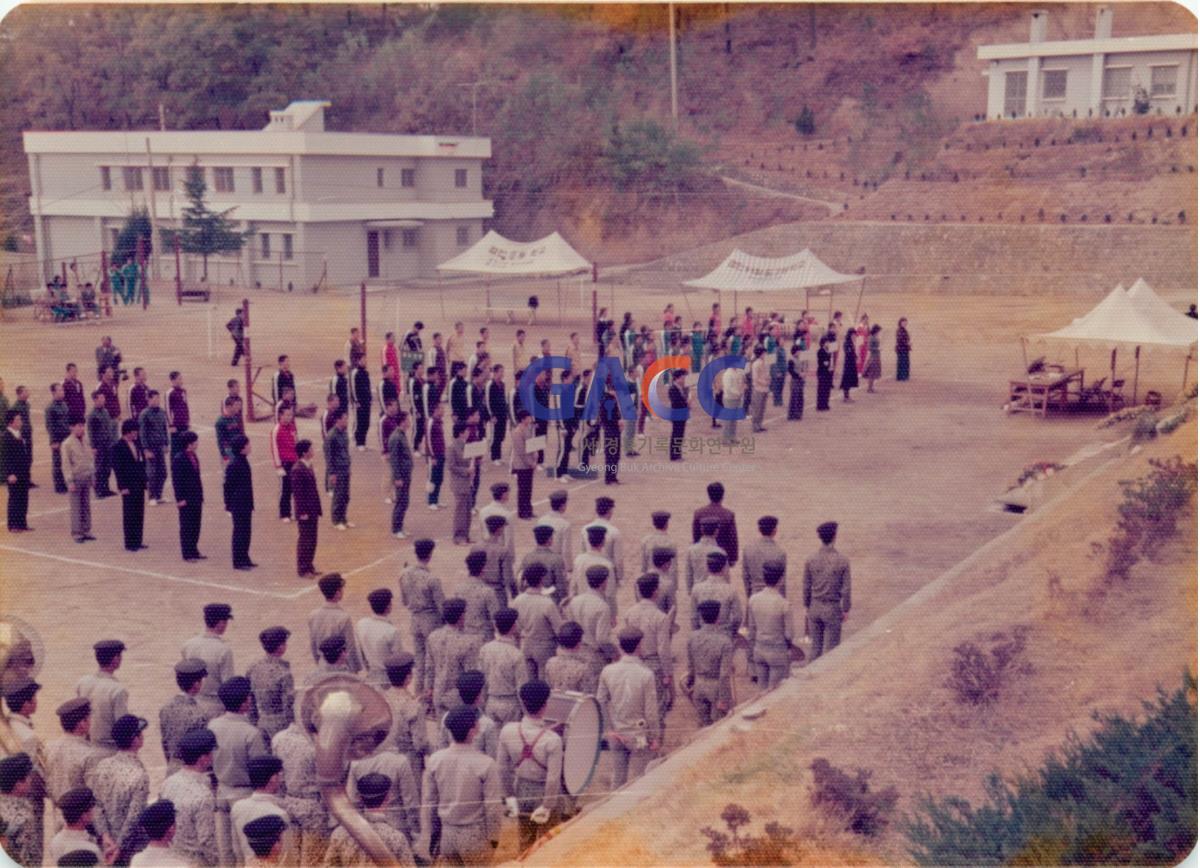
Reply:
x=195, y=174
x=265, y=242
x=160, y=176
x=387, y=239
x=256, y=179
x=460, y=177
x=287, y=245
x=1054, y=84
x=1014, y=93
x=105, y=178
x=408, y=177
x=133, y=177
x=1163, y=79
x=379, y=177
x=463, y=236
x=409, y=237
x=223, y=179
x=280, y=182
x=1116, y=82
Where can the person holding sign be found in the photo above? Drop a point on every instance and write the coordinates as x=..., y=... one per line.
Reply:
x=524, y=463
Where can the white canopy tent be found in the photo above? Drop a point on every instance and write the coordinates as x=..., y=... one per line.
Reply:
x=741, y=272
x=494, y=255
x=1138, y=317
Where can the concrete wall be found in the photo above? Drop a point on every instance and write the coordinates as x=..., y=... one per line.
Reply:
x=435, y=181
x=343, y=246
x=1084, y=80
x=68, y=237
x=1140, y=75
x=355, y=179
x=1011, y=259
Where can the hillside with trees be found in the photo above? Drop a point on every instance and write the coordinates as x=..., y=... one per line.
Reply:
x=576, y=99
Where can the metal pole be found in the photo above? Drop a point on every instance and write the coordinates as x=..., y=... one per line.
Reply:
x=178, y=274
x=250, y=413
x=153, y=205
x=858, y=305
x=208, y=320
x=1186, y=363
x=362, y=312
x=674, y=74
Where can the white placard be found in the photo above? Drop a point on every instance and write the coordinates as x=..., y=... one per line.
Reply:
x=535, y=444
x=477, y=449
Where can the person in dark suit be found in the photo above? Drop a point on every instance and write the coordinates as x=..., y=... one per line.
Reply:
x=189, y=495
x=824, y=373
x=678, y=395
x=15, y=459
x=496, y=397
x=129, y=464
x=460, y=392
x=610, y=426
x=727, y=537
x=307, y=500
x=239, y=500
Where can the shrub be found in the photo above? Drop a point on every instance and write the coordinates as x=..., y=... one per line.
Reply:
x=1152, y=504
x=806, y=123
x=1125, y=795
x=1149, y=513
x=731, y=847
x=976, y=676
x=850, y=797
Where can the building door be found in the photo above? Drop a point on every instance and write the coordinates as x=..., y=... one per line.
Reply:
x=1014, y=94
x=372, y=254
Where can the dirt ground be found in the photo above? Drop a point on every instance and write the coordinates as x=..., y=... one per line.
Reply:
x=881, y=703
x=910, y=474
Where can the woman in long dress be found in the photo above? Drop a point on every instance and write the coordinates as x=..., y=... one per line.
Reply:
x=903, y=348
x=824, y=373
x=874, y=367
x=863, y=332
x=849, y=367
x=796, y=372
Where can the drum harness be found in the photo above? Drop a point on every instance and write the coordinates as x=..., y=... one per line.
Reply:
x=528, y=746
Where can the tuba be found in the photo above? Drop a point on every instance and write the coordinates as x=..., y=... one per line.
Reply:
x=347, y=720
x=21, y=658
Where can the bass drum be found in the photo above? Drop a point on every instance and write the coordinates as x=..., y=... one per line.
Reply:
x=576, y=717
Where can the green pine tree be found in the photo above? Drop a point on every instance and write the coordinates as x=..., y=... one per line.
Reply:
x=204, y=231
x=137, y=225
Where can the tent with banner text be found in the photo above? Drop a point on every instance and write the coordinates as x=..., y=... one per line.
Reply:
x=740, y=272
x=494, y=256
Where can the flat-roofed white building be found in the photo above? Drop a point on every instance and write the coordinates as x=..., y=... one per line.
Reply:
x=347, y=206
x=1098, y=77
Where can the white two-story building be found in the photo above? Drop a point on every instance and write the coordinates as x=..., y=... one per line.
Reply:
x=321, y=207
x=1098, y=77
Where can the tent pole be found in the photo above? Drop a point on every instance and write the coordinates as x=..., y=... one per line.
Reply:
x=1137, y=364
x=560, y=318
x=1028, y=377
x=858, y=305
x=830, y=304
x=1186, y=362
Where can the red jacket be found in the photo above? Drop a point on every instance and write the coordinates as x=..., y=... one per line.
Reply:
x=283, y=444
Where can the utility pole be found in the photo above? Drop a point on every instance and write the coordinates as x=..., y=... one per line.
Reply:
x=474, y=85
x=152, y=195
x=674, y=74
x=162, y=117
